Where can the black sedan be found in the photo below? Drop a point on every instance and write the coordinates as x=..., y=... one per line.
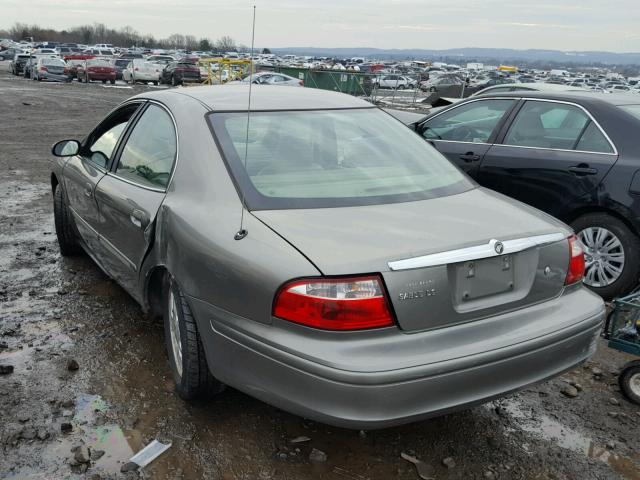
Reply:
x=178, y=73
x=573, y=155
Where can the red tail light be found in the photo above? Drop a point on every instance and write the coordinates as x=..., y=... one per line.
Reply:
x=575, y=273
x=335, y=303
x=301, y=83
x=44, y=69
x=66, y=70
x=135, y=69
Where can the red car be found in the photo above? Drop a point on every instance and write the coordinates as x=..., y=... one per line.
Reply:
x=96, y=69
x=74, y=61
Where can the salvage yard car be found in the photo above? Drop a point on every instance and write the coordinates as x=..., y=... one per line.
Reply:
x=52, y=69
x=180, y=72
x=322, y=257
x=96, y=69
x=142, y=71
x=570, y=154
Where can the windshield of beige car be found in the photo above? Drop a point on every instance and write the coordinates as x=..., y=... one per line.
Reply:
x=330, y=158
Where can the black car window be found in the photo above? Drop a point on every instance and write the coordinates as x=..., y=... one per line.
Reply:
x=547, y=125
x=100, y=145
x=592, y=140
x=148, y=155
x=471, y=122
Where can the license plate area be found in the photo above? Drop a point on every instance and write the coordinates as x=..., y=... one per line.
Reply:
x=482, y=278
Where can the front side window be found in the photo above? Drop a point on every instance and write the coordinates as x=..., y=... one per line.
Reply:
x=148, y=156
x=327, y=158
x=471, y=122
x=547, y=125
x=102, y=142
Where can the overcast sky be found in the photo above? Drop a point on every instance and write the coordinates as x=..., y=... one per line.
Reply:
x=549, y=24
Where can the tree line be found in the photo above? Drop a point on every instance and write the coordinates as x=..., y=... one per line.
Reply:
x=121, y=37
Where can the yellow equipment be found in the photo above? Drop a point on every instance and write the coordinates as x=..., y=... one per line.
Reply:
x=226, y=69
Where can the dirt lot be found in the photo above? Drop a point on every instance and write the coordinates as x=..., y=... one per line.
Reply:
x=54, y=311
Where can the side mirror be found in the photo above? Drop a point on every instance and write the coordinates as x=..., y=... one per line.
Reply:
x=66, y=148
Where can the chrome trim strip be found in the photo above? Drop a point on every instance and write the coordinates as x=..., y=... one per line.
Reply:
x=476, y=252
x=554, y=149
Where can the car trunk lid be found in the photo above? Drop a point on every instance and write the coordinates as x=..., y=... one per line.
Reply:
x=437, y=257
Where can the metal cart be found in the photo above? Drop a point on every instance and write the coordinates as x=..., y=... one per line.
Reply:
x=622, y=330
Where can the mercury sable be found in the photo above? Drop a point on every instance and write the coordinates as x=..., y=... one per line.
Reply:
x=318, y=255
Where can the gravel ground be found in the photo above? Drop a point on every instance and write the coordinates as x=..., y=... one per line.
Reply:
x=57, y=314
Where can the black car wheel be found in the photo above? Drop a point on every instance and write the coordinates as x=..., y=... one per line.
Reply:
x=184, y=347
x=612, y=266
x=175, y=82
x=113, y=82
x=629, y=382
x=64, y=225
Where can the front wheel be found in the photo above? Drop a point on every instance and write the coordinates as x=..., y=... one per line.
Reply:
x=612, y=266
x=184, y=347
x=174, y=82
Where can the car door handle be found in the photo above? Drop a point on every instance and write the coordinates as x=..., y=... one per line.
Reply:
x=88, y=190
x=469, y=157
x=139, y=218
x=583, y=169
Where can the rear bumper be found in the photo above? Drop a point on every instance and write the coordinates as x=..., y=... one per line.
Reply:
x=55, y=77
x=190, y=79
x=102, y=76
x=331, y=391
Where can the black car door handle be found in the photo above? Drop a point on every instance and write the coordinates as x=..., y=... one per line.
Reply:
x=583, y=169
x=469, y=157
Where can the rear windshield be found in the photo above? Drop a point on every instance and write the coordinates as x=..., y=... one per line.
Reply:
x=331, y=158
x=123, y=63
x=53, y=62
x=98, y=63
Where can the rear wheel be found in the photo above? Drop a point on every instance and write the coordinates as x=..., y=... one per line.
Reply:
x=64, y=227
x=184, y=347
x=174, y=82
x=113, y=82
x=612, y=266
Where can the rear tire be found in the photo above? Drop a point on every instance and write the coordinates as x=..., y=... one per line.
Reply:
x=609, y=288
x=174, y=82
x=65, y=232
x=188, y=363
x=113, y=82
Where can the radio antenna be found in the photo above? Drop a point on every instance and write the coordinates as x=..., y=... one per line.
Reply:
x=240, y=234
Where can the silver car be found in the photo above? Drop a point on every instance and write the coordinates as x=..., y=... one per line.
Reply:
x=320, y=256
x=54, y=69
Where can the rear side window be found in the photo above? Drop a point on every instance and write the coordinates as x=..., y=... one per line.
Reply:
x=557, y=126
x=593, y=140
x=471, y=122
x=150, y=151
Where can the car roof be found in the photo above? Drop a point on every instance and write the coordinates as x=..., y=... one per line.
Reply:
x=538, y=86
x=234, y=98
x=575, y=96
